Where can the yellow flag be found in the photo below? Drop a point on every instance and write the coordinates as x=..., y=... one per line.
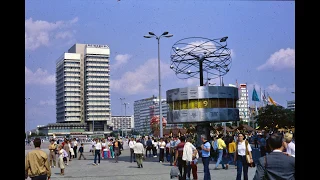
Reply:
x=272, y=101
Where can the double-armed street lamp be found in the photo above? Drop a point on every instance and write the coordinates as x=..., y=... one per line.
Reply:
x=151, y=35
x=121, y=119
x=125, y=115
x=26, y=119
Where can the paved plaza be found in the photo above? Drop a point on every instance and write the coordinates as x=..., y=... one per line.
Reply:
x=124, y=170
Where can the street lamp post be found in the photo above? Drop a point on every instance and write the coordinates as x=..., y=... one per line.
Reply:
x=125, y=112
x=121, y=115
x=26, y=119
x=165, y=34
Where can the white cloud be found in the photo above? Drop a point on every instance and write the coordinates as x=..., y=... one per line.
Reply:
x=233, y=55
x=48, y=102
x=41, y=33
x=138, y=81
x=121, y=59
x=40, y=76
x=275, y=88
x=282, y=59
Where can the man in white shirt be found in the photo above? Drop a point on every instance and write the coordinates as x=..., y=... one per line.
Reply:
x=75, y=147
x=131, y=146
x=97, y=152
x=138, y=151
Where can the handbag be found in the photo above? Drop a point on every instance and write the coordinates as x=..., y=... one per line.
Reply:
x=248, y=156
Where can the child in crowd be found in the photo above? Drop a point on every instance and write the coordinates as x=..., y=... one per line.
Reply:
x=81, y=149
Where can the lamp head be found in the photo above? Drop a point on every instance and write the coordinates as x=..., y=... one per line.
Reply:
x=168, y=35
x=224, y=39
x=151, y=33
x=165, y=33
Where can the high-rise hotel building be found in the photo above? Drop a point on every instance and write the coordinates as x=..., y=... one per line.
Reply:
x=83, y=86
x=243, y=103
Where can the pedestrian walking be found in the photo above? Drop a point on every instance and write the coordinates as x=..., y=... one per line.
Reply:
x=81, y=150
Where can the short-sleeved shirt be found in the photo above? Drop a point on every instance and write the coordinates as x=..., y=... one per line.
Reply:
x=242, y=148
x=179, y=148
x=206, y=153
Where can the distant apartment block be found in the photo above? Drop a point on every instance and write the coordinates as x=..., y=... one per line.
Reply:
x=123, y=122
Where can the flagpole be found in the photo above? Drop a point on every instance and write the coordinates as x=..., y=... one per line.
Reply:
x=261, y=99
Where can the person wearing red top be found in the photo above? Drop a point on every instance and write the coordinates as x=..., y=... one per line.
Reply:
x=181, y=163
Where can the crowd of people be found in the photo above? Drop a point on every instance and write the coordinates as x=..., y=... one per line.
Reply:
x=181, y=151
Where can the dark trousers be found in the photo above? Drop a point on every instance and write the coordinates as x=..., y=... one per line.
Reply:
x=97, y=153
x=41, y=177
x=182, y=165
x=194, y=169
x=205, y=162
x=132, y=155
x=75, y=151
x=154, y=151
x=172, y=155
x=262, y=151
x=242, y=164
x=149, y=148
x=161, y=155
x=81, y=155
x=192, y=166
x=167, y=154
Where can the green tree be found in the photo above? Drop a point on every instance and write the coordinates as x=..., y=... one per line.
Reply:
x=275, y=117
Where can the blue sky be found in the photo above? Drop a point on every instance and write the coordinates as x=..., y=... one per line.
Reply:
x=261, y=37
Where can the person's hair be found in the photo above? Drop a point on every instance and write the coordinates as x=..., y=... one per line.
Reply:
x=244, y=137
x=220, y=135
x=189, y=139
x=275, y=140
x=138, y=140
x=288, y=137
x=37, y=142
x=182, y=138
x=204, y=136
x=81, y=144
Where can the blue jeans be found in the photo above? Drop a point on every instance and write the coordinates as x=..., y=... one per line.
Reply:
x=231, y=158
x=220, y=151
x=96, y=153
x=242, y=164
x=205, y=161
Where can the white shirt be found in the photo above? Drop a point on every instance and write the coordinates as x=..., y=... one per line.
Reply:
x=155, y=144
x=138, y=148
x=291, y=149
x=98, y=146
x=75, y=143
x=131, y=144
x=103, y=144
x=242, y=148
x=162, y=144
x=188, y=151
x=168, y=145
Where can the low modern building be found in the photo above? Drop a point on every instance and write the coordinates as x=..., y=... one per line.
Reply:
x=291, y=105
x=122, y=123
